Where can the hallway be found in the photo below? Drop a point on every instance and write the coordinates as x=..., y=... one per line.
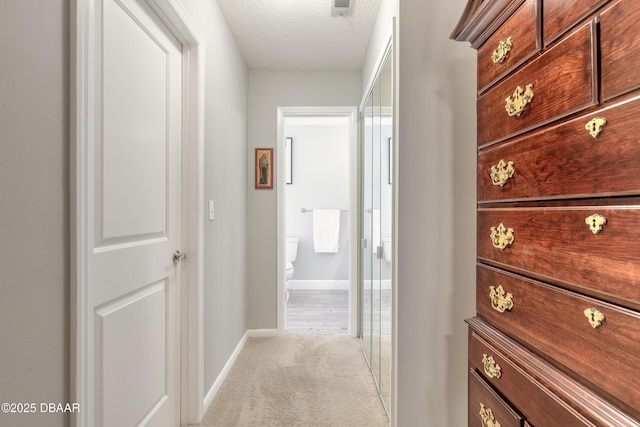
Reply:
x=44, y=142
x=298, y=380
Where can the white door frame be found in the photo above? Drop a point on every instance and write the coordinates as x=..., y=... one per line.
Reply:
x=173, y=14
x=352, y=113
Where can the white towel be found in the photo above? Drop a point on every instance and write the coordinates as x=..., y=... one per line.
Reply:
x=326, y=230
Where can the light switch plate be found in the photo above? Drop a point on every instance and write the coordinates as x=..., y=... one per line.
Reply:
x=211, y=211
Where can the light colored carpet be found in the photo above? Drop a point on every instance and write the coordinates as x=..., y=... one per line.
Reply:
x=298, y=381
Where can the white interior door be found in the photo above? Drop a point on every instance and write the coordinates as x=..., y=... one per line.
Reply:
x=134, y=220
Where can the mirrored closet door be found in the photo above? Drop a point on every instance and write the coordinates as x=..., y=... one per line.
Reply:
x=377, y=177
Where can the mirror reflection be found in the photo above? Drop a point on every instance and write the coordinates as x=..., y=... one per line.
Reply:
x=377, y=179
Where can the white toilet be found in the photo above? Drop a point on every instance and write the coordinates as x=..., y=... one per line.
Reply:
x=386, y=248
x=291, y=256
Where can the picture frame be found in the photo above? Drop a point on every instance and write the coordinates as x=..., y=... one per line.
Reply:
x=264, y=168
x=288, y=160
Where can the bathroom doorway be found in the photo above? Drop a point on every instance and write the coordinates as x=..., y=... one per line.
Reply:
x=317, y=218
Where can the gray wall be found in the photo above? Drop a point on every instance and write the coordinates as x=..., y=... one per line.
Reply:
x=320, y=180
x=225, y=183
x=34, y=212
x=436, y=223
x=267, y=91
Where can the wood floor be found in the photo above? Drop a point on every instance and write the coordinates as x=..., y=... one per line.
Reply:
x=318, y=312
x=327, y=312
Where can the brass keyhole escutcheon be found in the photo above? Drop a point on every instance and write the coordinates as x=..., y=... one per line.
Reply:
x=595, y=222
x=515, y=103
x=594, y=316
x=491, y=368
x=595, y=126
x=501, y=237
x=501, y=172
x=500, y=54
x=501, y=300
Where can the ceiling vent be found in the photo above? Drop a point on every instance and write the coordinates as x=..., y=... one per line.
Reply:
x=340, y=7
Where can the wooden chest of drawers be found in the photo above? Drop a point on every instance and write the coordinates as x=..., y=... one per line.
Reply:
x=572, y=60
x=556, y=339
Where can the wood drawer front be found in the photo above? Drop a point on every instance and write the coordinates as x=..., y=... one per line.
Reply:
x=521, y=28
x=480, y=393
x=620, y=47
x=563, y=83
x=534, y=401
x=566, y=161
x=576, y=395
x=557, y=245
x=559, y=15
x=547, y=318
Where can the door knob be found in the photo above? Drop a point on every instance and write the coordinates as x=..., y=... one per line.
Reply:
x=178, y=256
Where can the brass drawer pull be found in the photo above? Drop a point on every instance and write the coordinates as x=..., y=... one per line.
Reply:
x=595, y=125
x=491, y=368
x=501, y=300
x=500, y=54
x=488, y=420
x=501, y=173
x=515, y=103
x=501, y=237
x=595, y=222
x=595, y=317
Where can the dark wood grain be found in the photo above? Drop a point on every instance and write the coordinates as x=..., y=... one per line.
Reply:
x=563, y=83
x=566, y=161
x=481, y=18
x=583, y=59
x=552, y=321
x=480, y=392
x=620, y=45
x=560, y=15
x=530, y=398
x=521, y=28
x=577, y=395
x=557, y=245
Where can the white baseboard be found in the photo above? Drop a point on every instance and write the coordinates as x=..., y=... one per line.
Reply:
x=223, y=374
x=232, y=359
x=262, y=333
x=385, y=284
x=317, y=285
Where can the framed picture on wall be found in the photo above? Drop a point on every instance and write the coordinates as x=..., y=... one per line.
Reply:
x=264, y=168
x=288, y=160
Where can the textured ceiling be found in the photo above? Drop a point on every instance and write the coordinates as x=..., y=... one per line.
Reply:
x=300, y=34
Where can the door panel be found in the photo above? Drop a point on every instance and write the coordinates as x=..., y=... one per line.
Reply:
x=135, y=143
x=126, y=324
x=376, y=187
x=133, y=283
x=367, y=228
x=386, y=149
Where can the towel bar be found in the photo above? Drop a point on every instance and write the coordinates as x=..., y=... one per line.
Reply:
x=305, y=210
